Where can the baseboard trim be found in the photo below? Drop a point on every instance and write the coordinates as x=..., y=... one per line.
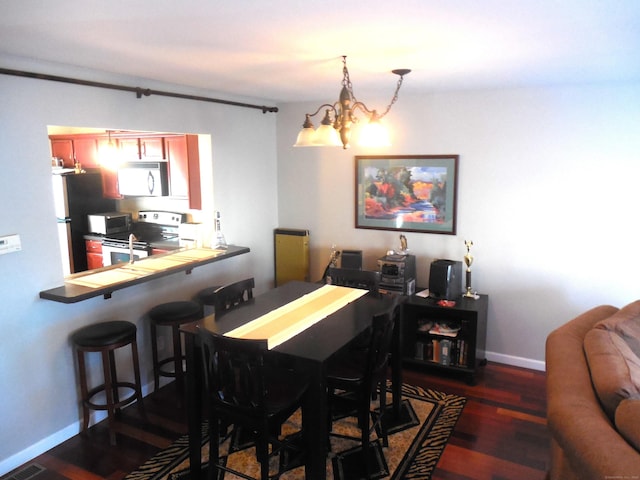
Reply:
x=29, y=453
x=516, y=361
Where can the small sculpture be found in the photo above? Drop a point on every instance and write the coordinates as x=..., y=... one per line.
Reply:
x=403, y=244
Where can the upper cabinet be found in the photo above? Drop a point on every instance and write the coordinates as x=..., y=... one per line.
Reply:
x=72, y=149
x=184, y=168
x=93, y=151
x=142, y=148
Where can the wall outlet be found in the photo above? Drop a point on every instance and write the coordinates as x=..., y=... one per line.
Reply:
x=10, y=243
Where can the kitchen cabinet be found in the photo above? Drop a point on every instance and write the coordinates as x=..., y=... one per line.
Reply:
x=184, y=168
x=109, y=175
x=141, y=148
x=94, y=254
x=152, y=148
x=93, y=151
x=75, y=148
x=128, y=148
x=63, y=148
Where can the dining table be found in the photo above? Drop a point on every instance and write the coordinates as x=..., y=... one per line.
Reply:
x=309, y=349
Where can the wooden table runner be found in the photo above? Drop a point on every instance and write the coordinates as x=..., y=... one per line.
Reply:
x=285, y=322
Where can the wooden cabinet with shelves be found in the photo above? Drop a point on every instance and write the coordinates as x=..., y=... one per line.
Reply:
x=94, y=254
x=445, y=338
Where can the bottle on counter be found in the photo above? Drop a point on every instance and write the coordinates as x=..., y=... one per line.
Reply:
x=218, y=240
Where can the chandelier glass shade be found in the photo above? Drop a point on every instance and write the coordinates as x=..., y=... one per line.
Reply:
x=336, y=126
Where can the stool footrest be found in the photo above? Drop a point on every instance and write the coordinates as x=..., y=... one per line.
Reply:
x=103, y=406
x=170, y=360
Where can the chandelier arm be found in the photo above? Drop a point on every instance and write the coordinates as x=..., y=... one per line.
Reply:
x=361, y=106
x=332, y=107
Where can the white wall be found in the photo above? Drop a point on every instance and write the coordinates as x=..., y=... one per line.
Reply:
x=40, y=406
x=548, y=192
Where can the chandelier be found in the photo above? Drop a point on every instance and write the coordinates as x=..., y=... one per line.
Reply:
x=335, y=128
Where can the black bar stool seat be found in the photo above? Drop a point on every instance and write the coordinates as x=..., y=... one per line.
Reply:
x=105, y=338
x=172, y=315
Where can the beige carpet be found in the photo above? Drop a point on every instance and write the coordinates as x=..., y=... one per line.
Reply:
x=416, y=443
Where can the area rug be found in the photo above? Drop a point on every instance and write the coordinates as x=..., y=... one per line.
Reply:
x=416, y=442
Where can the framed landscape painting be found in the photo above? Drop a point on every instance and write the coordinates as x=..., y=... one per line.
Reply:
x=410, y=193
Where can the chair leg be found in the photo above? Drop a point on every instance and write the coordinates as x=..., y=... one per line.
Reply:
x=177, y=355
x=136, y=372
x=114, y=378
x=108, y=389
x=262, y=453
x=363, y=420
x=383, y=407
x=214, y=447
x=84, y=391
x=154, y=354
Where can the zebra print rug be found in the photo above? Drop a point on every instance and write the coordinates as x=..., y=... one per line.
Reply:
x=416, y=442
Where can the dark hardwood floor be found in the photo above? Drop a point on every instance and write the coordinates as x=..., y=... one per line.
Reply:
x=501, y=434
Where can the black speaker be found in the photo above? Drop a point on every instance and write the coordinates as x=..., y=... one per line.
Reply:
x=351, y=259
x=445, y=279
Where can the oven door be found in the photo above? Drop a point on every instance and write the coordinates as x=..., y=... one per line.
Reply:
x=112, y=253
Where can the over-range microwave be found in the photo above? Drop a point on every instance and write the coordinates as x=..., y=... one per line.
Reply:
x=109, y=223
x=143, y=179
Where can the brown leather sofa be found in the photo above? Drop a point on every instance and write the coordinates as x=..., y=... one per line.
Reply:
x=593, y=395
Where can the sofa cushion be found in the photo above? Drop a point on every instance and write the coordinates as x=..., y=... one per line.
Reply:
x=626, y=323
x=628, y=421
x=612, y=349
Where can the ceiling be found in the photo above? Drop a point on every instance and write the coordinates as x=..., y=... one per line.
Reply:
x=290, y=50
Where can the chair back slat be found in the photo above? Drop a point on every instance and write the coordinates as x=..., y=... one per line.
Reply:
x=234, y=373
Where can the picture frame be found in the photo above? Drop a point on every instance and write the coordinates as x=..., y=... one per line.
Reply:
x=408, y=193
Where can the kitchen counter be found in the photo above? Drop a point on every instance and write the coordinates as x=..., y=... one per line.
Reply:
x=104, y=281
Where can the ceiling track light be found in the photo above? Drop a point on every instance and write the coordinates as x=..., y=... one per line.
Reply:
x=335, y=128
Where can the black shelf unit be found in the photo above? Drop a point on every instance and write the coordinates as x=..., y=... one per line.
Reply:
x=461, y=351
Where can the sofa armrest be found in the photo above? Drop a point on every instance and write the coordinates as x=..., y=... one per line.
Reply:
x=579, y=426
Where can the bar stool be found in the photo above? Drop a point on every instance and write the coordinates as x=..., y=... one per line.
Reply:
x=105, y=338
x=173, y=315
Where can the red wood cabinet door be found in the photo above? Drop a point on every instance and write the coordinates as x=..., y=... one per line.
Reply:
x=94, y=254
x=86, y=152
x=184, y=168
x=63, y=148
x=178, y=158
x=94, y=260
x=109, y=175
x=152, y=148
x=129, y=148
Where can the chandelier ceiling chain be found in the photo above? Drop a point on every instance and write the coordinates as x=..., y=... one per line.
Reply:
x=335, y=128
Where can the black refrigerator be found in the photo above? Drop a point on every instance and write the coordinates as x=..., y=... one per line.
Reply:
x=76, y=196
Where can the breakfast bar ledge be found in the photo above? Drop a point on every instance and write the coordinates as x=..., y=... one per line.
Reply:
x=105, y=281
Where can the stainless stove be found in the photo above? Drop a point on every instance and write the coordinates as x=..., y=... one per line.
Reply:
x=153, y=228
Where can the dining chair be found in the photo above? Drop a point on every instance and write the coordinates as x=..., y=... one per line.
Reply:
x=355, y=374
x=228, y=296
x=351, y=277
x=245, y=388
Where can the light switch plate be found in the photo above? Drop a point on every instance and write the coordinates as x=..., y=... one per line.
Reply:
x=10, y=243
